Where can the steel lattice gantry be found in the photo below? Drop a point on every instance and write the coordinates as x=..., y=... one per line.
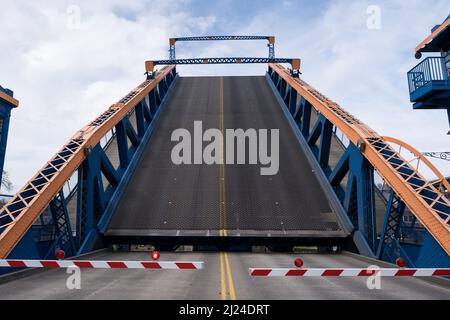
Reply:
x=270, y=40
x=295, y=63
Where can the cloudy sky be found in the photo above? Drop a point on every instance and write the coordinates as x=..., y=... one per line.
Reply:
x=69, y=60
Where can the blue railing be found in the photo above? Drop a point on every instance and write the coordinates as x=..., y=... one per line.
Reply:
x=430, y=69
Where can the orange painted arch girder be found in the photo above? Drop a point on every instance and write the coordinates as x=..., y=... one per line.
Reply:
x=356, y=132
x=89, y=136
x=422, y=158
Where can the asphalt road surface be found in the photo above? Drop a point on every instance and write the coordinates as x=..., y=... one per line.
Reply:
x=227, y=200
x=225, y=276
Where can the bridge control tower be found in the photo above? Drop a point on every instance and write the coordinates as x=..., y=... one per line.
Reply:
x=429, y=81
x=7, y=103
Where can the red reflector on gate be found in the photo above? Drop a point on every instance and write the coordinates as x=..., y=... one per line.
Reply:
x=117, y=265
x=405, y=272
x=261, y=272
x=151, y=265
x=50, y=264
x=185, y=265
x=442, y=273
x=83, y=264
x=367, y=273
x=16, y=264
x=332, y=273
x=296, y=272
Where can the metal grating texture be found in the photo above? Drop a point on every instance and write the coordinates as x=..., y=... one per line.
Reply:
x=164, y=197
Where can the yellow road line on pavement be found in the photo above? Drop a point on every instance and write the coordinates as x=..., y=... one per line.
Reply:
x=230, y=278
x=226, y=278
x=222, y=195
x=225, y=268
x=223, y=288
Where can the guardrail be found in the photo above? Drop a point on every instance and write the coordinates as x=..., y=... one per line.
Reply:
x=430, y=69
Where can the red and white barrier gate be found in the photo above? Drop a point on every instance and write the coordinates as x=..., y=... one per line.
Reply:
x=94, y=264
x=349, y=272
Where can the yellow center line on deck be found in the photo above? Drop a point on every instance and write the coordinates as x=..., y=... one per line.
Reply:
x=222, y=196
x=225, y=268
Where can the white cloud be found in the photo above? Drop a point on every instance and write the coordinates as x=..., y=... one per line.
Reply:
x=365, y=70
x=65, y=77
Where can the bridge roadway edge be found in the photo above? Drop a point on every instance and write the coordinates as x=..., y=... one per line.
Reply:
x=115, y=200
x=358, y=240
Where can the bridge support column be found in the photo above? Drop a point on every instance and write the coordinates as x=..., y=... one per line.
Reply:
x=389, y=248
x=358, y=198
x=152, y=102
x=292, y=103
x=90, y=201
x=323, y=129
x=93, y=197
x=421, y=250
x=63, y=229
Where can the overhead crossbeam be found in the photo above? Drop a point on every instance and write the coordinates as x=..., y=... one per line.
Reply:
x=295, y=63
x=203, y=38
x=270, y=39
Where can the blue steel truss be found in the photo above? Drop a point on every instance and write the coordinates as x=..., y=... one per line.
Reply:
x=63, y=229
x=95, y=199
x=352, y=181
